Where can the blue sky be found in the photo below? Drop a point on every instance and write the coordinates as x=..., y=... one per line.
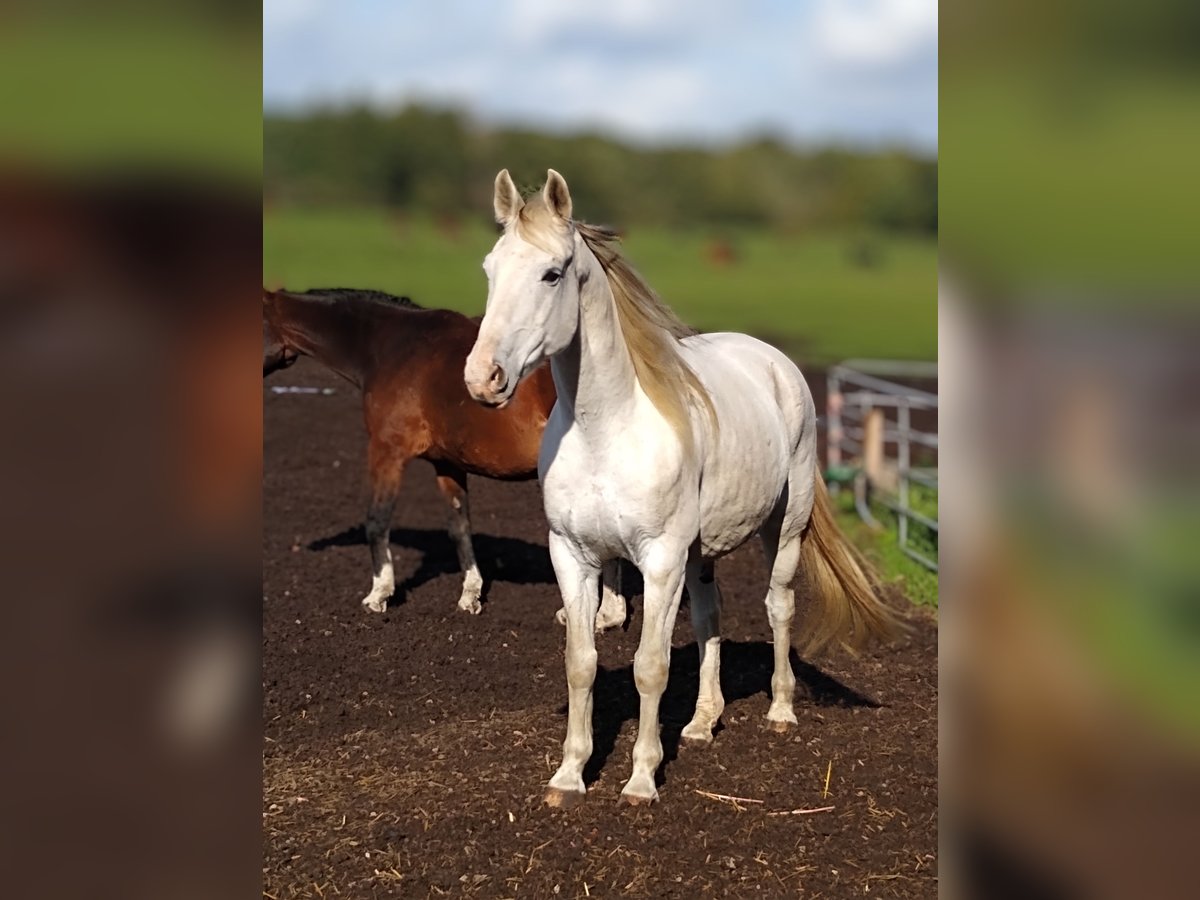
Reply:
x=811, y=71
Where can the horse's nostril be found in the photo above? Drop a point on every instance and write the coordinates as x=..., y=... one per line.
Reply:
x=497, y=379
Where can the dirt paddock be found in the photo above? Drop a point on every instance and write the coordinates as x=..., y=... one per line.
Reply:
x=405, y=754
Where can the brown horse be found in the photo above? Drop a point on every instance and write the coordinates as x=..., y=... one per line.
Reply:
x=408, y=363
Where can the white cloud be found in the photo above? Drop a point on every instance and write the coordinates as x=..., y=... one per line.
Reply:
x=874, y=33
x=532, y=21
x=637, y=101
x=813, y=70
x=288, y=13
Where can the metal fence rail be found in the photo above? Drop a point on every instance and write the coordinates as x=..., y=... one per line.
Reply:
x=860, y=397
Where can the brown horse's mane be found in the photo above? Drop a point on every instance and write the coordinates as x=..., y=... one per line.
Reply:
x=337, y=325
x=358, y=295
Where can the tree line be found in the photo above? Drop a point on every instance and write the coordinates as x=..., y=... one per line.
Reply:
x=441, y=162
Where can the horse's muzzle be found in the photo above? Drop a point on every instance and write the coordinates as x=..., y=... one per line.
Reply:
x=493, y=389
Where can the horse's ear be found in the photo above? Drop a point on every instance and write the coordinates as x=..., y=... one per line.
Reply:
x=507, y=199
x=556, y=195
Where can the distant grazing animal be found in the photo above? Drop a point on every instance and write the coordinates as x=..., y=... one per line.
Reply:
x=408, y=361
x=665, y=448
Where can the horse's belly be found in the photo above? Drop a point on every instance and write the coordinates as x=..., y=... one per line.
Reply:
x=744, y=477
x=731, y=513
x=493, y=443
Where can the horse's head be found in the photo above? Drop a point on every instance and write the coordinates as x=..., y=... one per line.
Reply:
x=277, y=352
x=533, y=292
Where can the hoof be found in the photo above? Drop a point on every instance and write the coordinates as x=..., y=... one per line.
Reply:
x=779, y=727
x=695, y=743
x=635, y=800
x=375, y=604
x=556, y=798
x=470, y=605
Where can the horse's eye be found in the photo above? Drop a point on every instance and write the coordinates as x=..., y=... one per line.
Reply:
x=552, y=276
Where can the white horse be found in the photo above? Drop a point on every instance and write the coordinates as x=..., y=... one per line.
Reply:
x=664, y=449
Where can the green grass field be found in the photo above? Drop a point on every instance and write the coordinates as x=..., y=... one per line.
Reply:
x=882, y=548
x=804, y=293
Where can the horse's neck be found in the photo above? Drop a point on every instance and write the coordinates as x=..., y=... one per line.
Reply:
x=595, y=374
x=331, y=332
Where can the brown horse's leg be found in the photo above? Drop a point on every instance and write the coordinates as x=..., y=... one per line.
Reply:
x=386, y=470
x=452, y=481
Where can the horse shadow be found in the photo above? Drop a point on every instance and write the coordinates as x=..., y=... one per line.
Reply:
x=505, y=559
x=746, y=669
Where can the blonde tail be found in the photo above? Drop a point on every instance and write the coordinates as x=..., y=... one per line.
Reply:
x=845, y=606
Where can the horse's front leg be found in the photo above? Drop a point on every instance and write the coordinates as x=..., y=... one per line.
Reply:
x=663, y=576
x=612, y=599
x=386, y=469
x=578, y=579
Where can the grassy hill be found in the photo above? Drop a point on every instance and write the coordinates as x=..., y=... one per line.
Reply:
x=819, y=296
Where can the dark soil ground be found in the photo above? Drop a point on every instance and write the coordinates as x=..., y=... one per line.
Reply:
x=406, y=754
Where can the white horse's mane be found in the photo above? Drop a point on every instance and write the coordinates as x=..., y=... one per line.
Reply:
x=650, y=328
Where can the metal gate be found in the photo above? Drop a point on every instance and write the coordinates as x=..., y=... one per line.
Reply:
x=871, y=439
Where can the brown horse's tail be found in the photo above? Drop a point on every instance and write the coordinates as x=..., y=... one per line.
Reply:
x=845, y=606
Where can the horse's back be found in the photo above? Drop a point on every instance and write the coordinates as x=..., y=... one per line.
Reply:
x=424, y=332
x=766, y=427
x=753, y=385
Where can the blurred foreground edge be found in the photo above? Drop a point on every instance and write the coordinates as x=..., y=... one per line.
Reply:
x=1070, y=753
x=132, y=478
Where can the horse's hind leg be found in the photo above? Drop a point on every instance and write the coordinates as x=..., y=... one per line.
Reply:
x=612, y=599
x=386, y=471
x=705, y=598
x=781, y=543
x=452, y=482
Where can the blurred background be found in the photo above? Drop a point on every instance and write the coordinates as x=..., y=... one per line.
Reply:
x=1069, y=328
x=772, y=165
